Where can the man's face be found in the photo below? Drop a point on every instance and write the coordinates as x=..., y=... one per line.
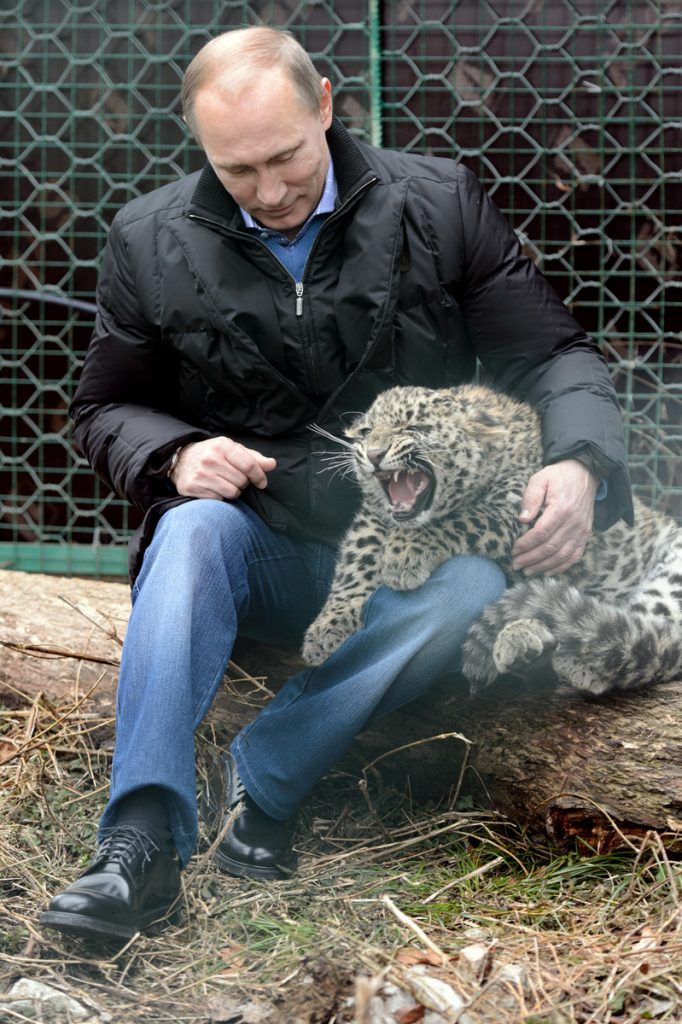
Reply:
x=267, y=148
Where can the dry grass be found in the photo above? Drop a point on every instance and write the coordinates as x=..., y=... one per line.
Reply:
x=421, y=894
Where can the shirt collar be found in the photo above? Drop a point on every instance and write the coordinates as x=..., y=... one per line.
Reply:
x=326, y=204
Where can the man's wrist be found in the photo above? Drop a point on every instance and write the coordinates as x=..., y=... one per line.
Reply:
x=174, y=461
x=586, y=459
x=593, y=466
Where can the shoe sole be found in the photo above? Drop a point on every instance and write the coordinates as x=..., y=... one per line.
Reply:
x=85, y=927
x=241, y=870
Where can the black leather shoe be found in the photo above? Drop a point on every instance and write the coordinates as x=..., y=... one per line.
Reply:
x=252, y=844
x=130, y=885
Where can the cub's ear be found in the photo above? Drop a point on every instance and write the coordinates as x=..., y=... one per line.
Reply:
x=487, y=421
x=489, y=428
x=470, y=403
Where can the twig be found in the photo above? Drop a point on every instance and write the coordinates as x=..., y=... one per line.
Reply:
x=45, y=651
x=369, y=852
x=39, y=739
x=364, y=789
x=111, y=632
x=244, y=676
x=414, y=927
x=363, y=784
x=495, y=862
x=417, y=743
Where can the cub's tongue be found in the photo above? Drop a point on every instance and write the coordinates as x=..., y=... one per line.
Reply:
x=404, y=488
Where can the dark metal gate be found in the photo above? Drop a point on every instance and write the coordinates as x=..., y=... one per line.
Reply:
x=569, y=110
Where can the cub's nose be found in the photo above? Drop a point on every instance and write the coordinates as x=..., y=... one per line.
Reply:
x=375, y=455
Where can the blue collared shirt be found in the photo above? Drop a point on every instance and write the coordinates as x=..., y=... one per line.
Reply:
x=293, y=252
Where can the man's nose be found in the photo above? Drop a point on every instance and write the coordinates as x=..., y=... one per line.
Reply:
x=270, y=190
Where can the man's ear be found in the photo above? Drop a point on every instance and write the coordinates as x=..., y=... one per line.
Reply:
x=326, y=103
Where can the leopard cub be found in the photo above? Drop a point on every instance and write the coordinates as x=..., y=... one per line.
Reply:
x=442, y=472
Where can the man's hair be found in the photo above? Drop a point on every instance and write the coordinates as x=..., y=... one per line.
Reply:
x=246, y=50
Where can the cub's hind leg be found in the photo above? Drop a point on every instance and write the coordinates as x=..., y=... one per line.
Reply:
x=515, y=632
x=593, y=646
x=606, y=648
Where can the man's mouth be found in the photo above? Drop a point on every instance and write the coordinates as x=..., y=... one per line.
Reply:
x=409, y=491
x=279, y=211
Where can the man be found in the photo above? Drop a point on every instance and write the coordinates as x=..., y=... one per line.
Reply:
x=293, y=279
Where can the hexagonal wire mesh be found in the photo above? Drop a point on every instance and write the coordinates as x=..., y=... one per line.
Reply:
x=570, y=112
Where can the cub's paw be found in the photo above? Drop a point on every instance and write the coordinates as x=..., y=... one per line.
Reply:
x=520, y=643
x=326, y=633
x=477, y=658
x=405, y=573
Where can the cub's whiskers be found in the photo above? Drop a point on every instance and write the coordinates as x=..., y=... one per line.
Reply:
x=340, y=463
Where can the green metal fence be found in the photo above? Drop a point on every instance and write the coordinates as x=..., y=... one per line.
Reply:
x=569, y=110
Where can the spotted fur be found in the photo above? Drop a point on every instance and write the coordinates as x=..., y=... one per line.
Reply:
x=442, y=472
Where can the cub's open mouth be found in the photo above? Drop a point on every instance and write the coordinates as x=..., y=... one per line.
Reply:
x=408, y=490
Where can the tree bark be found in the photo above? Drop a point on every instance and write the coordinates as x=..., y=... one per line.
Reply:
x=599, y=772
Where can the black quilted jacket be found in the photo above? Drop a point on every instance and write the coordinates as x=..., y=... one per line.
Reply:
x=201, y=332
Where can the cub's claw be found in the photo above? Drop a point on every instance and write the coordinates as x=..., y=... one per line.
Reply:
x=520, y=643
x=326, y=633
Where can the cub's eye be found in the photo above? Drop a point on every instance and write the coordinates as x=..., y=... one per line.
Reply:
x=360, y=430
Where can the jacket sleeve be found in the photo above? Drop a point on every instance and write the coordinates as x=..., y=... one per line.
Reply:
x=530, y=346
x=123, y=406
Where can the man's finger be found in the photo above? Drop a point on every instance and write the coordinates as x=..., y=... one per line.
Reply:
x=542, y=533
x=553, y=555
x=248, y=462
x=533, y=499
x=553, y=564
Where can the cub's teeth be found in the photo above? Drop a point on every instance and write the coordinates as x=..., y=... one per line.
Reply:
x=396, y=476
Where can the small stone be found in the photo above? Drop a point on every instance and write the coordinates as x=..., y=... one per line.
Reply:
x=514, y=973
x=433, y=993
x=474, y=956
x=28, y=997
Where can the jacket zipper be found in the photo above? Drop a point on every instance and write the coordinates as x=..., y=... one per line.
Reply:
x=298, y=285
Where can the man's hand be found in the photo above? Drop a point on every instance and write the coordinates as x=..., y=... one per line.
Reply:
x=219, y=468
x=564, y=495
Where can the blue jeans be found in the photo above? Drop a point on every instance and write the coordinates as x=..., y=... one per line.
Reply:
x=213, y=569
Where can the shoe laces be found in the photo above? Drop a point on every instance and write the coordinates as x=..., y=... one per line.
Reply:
x=240, y=793
x=122, y=842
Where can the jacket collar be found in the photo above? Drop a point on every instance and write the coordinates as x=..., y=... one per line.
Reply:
x=350, y=166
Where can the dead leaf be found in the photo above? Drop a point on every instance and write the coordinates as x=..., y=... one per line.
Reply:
x=410, y=956
x=409, y=1016
x=648, y=940
x=233, y=957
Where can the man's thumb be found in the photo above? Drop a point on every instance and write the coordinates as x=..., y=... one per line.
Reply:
x=533, y=500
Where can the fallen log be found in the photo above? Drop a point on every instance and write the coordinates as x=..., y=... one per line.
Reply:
x=598, y=771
